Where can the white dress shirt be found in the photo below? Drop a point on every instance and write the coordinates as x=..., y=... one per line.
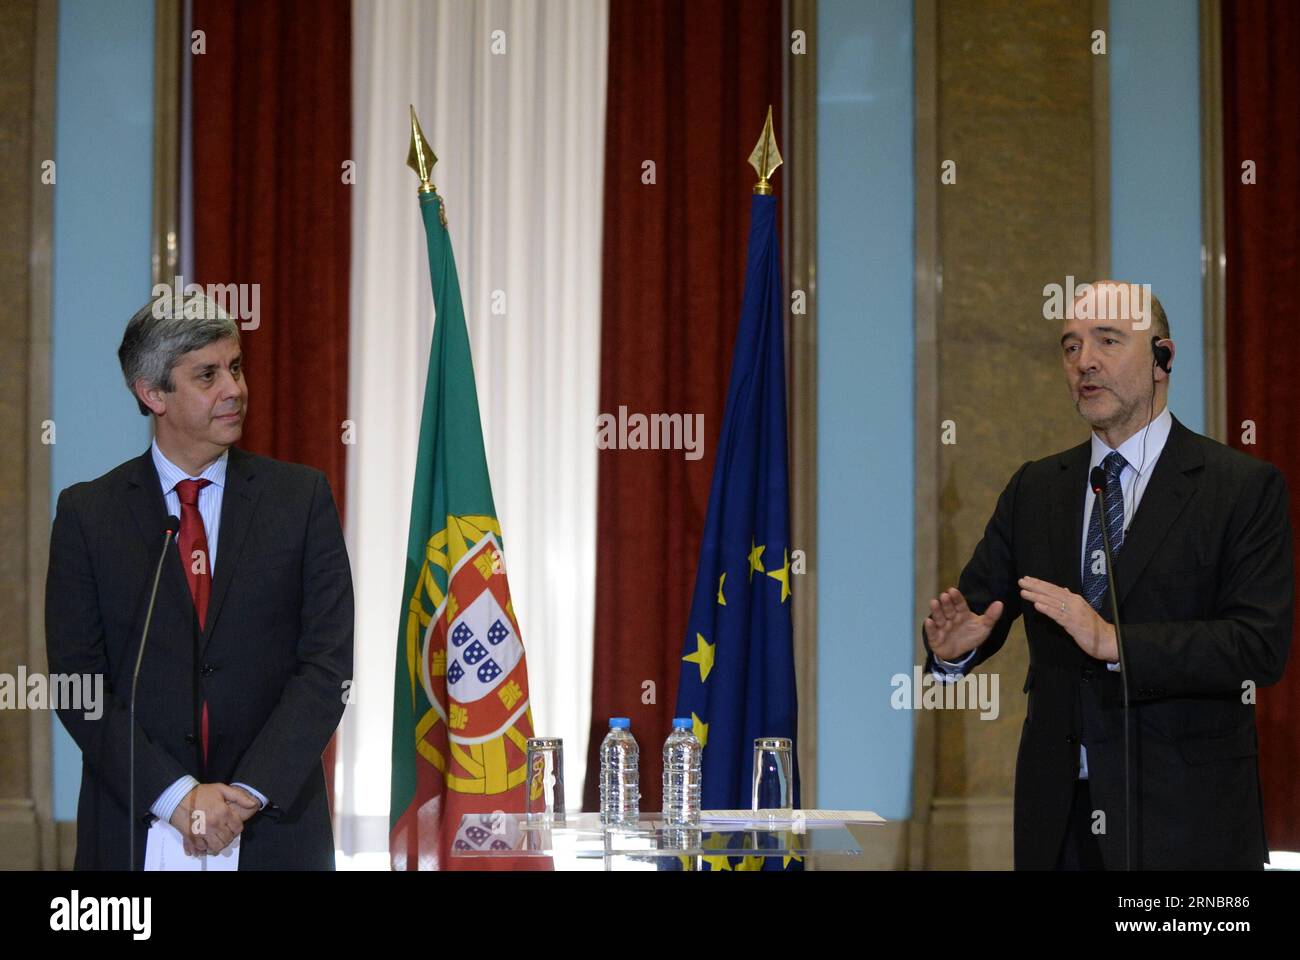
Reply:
x=210, y=498
x=1140, y=453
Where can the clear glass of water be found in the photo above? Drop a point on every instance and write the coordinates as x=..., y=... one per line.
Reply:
x=773, y=774
x=544, y=797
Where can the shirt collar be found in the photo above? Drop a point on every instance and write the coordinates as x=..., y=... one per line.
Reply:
x=1132, y=448
x=170, y=474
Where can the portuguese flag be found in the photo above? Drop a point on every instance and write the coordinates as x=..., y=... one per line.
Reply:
x=461, y=714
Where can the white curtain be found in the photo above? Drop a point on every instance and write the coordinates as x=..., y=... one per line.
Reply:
x=511, y=96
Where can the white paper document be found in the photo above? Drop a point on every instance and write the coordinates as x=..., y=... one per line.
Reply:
x=165, y=850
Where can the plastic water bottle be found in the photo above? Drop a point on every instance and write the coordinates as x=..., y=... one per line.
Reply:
x=682, y=778
x=620, y=788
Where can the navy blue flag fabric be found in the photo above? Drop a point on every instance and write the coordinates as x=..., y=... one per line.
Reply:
x=737, y=679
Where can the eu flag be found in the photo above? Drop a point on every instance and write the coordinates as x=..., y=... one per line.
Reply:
x=737, y=679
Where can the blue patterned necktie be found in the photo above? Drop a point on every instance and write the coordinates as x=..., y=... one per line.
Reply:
x=1094, y=583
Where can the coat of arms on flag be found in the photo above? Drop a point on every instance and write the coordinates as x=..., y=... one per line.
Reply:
x=473, y=672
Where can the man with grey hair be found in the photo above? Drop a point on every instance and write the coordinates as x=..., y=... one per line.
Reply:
x=1201, y=542
x=248, y=662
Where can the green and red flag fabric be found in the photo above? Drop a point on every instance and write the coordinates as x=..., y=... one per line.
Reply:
x=461, y=713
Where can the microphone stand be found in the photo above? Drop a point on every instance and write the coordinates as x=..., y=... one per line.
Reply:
x=172, y=526
x=1098, y=504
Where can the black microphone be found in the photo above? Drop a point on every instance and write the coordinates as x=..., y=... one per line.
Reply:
x=169, y=532
x=1098, y=481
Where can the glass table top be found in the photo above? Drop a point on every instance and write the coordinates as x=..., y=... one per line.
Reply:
x=754, y=835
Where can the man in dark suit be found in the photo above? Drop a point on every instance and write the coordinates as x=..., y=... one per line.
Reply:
x=249, y=655
x=1204, y=581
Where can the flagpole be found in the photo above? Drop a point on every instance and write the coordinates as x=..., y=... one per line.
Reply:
x=421, y=157
x=765, y=158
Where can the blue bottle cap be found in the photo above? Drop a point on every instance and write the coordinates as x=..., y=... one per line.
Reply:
x=682, y=723
x=619, y=723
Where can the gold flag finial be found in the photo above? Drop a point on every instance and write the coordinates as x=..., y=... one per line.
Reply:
x=766, y=157
x=421, y=158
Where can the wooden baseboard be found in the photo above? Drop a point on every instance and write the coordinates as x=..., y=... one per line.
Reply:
x=960, y=835
x=65, y=833
x=20, y=847
x=970, y=834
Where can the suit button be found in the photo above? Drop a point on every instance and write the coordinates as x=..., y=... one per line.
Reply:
x=207, y=670
x=1087, y=674
x=1071, y=739
x=191, y=739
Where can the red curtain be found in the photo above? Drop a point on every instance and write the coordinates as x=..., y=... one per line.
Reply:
x=272, y=128
x=1261, y=124
x=689, y=86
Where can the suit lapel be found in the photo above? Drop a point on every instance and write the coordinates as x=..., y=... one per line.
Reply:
x=237, y=506
x=1166, y=496
x=1066, y=528
x=144, y=495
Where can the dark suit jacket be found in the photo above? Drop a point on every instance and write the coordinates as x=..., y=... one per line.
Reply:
x=1205, y=586
x=271, y=663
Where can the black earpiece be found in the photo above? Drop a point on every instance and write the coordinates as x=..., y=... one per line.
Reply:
x=1162, y=354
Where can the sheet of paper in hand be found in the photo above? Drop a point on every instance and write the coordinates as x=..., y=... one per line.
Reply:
x=165, y=850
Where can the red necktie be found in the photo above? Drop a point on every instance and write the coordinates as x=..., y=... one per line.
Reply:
x=198, y=569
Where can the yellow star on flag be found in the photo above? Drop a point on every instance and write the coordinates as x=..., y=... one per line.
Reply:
x=715, y=841
x=703, y=656
x=700, y=729
x=722, y=601
x=782, y=573
x=755, y=559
